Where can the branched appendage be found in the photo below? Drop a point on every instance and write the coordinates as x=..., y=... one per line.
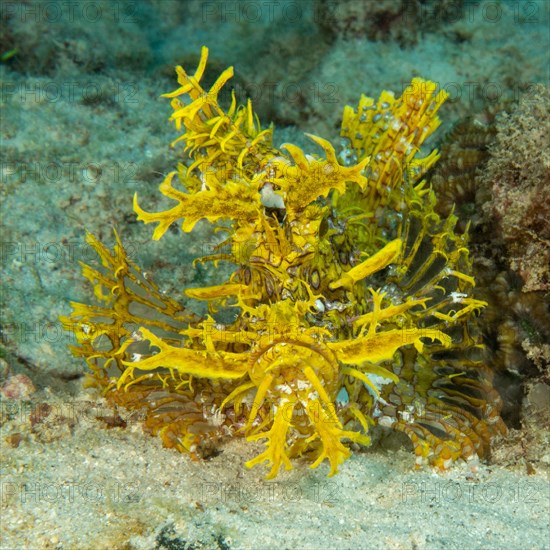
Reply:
x=323, y=424
x=328, y=429
x=346, y=282
x=277, y=451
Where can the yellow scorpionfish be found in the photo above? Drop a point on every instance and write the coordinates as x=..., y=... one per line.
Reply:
x=352, y=299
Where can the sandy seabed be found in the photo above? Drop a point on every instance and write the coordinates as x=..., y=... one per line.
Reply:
x=74, y=483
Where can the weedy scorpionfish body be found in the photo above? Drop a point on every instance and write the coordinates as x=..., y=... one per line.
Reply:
x=353, y=298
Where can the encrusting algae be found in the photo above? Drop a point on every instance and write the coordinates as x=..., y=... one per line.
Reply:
x=352, y=297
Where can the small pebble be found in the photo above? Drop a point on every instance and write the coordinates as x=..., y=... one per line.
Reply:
x=18, y=386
